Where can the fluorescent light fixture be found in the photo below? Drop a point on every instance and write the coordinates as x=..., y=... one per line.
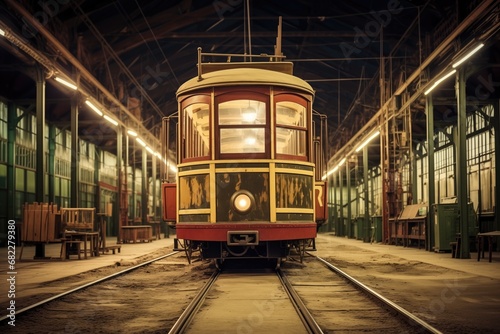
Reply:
x=132, y=133
x=93, y=107
x=2, y=32
x=140, y=141
x=158, y=155
x=111, y=120
x=369, y=139
x=173, y=168
x=439, y=81
x=467, y=56
x=66, y=83
x=150, y=150
x=336, y=168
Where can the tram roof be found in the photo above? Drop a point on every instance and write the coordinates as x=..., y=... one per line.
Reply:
x=244, y=74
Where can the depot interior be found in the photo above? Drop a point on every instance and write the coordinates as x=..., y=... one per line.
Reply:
x=409, y=90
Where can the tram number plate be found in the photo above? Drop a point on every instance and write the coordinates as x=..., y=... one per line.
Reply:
x=243, y=238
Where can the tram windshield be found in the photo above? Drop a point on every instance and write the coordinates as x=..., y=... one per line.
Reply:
x=242, y=125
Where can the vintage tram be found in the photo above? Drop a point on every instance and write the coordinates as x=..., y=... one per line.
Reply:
x=247, y=185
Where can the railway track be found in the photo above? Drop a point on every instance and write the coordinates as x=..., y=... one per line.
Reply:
x=414, y=321
x=86, y=285
x=245, y=302
x=146, y=298
x=298, y=298
x=342, y=303
x=294, y=301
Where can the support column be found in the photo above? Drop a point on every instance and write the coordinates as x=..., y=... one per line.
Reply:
x=496, y=118
x=144, y=186
x=429, y=229
x=51, y=163
x=40, y=147
x=366, y=225
x=333, y=190
x=341, y=205
x=349, y=214
x=11, y=160
x=414, y=178
x=119, y=177
x=153, y=179
x=75, y=156
x=461, y=164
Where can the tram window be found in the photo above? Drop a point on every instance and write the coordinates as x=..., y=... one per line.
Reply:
x=242, y=126
x=291, y=128
x=242, y=140
x=238, y=112
x=196, y=130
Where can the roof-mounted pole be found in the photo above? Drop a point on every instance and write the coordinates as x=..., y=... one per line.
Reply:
x=277, y=47
x=199, y=64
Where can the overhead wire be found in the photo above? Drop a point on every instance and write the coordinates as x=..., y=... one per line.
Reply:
x=157, y=43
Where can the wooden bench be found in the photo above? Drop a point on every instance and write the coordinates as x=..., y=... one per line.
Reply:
x=136, y=233
x=111, y=248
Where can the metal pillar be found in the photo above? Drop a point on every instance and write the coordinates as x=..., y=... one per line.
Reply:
x=51, y=163
x=75, y=156
x=144, y=186
x=461, y=164
x=333, y=190
x=348, y=187
x=153, y=179
x=496, y=118
x=341, y=205
x=429, y=108
x=118, y=202
x=11, y=160
x=366, y=225
x=414, y=178
x=40, y=147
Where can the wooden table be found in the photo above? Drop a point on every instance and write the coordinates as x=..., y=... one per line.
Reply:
x=480, y=243
x=91, y=237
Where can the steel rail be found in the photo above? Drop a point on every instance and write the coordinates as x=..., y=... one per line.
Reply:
x=45, y=301
x=411, y=318
x=187, y=316
x=306, y=317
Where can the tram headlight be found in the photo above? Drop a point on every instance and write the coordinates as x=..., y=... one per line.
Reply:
x=242, y=201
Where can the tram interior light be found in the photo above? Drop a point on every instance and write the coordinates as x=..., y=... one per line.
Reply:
x=250, y=141
x=249, y=114
x=132, y=133
x=2, y=32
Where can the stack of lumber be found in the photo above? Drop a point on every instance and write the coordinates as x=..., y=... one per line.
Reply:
x=41, y=222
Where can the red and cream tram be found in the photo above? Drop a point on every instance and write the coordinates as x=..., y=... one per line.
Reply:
x=246, y=184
